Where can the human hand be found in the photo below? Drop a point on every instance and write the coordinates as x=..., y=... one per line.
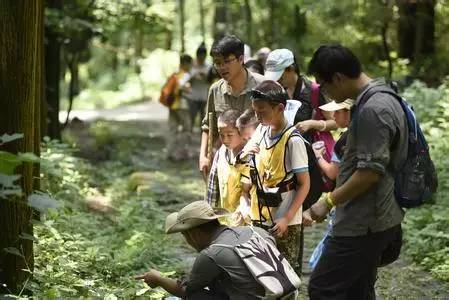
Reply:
x=307, y=218
x=203, y=164
x=280, y=228
x=250, y=148
x=187, y=88
x=305, y=126
x=319, y=211
x=319, y=152
x=238, y=219
x=152, y=278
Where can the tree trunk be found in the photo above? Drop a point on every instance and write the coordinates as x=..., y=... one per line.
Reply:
x=220, y=19
x=202, y=26
x=182, y=24
x=271, y=22
x=21, y=42
x=52, y=76
x=72, y=63
x=425, y=28
x=416, y=28
x=387, y=17
x=249, y=23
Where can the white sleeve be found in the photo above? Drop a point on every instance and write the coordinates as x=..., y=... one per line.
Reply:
x=297, y=159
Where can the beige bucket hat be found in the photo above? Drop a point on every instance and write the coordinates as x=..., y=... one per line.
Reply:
x=334, y=106
x=192, y=215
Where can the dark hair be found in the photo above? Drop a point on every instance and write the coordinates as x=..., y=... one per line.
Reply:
x=185, y=59
x=295, y=65
x=330, y=59
x=202, y=50
x=226, y=46
x=270, y=91
x=229, y=117
x=248, y=118
x=256, y=65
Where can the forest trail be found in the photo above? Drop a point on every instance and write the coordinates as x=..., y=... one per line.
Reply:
x=145, y=111
x=147, y=121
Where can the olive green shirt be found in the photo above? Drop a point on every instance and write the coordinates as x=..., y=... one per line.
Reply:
x=378, y=142
x=221, y=99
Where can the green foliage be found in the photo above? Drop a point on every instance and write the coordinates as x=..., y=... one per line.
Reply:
x=83, y=253
x=426, y=227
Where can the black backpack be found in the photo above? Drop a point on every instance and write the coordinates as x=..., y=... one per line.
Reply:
x=416, y=179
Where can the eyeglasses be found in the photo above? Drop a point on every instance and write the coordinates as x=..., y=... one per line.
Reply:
x=223, y=63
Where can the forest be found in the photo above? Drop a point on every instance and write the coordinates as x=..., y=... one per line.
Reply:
x=85, y=185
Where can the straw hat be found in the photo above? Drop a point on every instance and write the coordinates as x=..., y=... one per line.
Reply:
x=192, y=215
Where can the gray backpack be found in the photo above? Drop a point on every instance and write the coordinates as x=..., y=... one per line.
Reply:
x=268, y=266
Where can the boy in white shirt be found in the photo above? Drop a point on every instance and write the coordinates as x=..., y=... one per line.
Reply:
x=282, y=166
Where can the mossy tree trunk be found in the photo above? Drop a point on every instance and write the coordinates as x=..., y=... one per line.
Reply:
x=21, y=88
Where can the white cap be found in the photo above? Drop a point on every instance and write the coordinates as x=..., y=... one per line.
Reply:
x=277, y=61
x=334, y=106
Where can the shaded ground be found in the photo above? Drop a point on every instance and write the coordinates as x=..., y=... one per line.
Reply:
x=175, y=184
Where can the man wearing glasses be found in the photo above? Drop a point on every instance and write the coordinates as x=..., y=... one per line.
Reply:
x=230, y=92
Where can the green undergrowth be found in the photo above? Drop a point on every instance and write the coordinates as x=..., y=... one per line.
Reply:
x=83, y=253
x=427, y=227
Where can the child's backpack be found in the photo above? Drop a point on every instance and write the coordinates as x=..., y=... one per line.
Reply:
x=416, y=180
x=268, y=266
x=169, y=91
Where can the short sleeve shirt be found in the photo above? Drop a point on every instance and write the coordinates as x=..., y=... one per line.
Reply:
x=296, y=161
x=220, y=97
x=377, y=142
x=221, y=269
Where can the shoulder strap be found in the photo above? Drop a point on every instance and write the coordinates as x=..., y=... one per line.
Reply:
x=412, y=124
x=315, y=87
x=315, y=98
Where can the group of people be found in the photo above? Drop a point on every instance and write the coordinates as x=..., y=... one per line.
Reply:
x=264, y=139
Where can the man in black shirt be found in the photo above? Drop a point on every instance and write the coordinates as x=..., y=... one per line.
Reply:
x=367, y=225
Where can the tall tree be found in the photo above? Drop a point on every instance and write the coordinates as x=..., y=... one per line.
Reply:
x=182, y=24
x=21, y=42
x=416, y=28
x=220, y=19
x=202, y=26
x=53, y=71
x=249, y=22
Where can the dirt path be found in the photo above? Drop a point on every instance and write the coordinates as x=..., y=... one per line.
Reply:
x=146, y=111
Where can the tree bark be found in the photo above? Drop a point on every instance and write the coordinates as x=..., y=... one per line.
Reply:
x=272, y=24
x=202, y=26
x=72, y=63
x=182, y=25
x=249, y=23
x=416, y=28
x=21, y=42
x=388, y=6
x=52, y=76
x=220, y=19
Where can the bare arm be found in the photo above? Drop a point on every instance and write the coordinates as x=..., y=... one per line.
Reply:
x=303, y=180
x=203, y=159
x=329, y=169
x=330, y=122
x=155, y=279
x=359, y=182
